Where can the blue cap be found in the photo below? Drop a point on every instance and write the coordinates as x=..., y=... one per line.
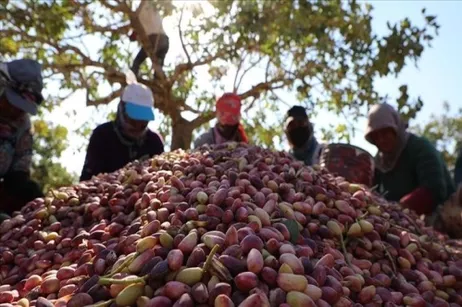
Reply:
x=139, y=102
x=138, y=112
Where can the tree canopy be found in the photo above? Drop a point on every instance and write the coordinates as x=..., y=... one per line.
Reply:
x=445, y=132
x=325, y=53
x=46, y=169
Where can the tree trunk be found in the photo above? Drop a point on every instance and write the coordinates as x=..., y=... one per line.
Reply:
x=181, y=134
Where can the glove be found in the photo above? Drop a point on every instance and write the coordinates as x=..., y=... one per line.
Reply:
x=420, y=200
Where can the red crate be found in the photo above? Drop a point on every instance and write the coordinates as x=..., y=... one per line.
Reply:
x=353, y=163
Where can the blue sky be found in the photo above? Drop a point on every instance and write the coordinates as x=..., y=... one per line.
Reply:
x=437, y=78
x=439, y=75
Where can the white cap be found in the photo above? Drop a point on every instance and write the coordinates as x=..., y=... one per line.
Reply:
x=139, y=102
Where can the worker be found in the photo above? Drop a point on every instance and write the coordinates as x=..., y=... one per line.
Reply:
x=300, y=134
x=458, y=169
x=151, y=21
x=20, y=96
x=409, y=169
x=228, y=127
x=114, y=144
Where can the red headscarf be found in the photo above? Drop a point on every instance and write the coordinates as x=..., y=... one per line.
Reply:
x=242, y=135
x=229, y=113
x=229, y=109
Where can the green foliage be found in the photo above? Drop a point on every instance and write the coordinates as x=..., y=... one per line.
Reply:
x=259, y=128
x=294, y=231
x=445, y=132
x=50, y=142
x=337, y=133
x=325, y=52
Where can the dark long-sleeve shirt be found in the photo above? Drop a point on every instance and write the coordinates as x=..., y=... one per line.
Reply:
x=420, y=177
x=107, y=153
x=16, y=187
x=458, y=169
x=15, y=146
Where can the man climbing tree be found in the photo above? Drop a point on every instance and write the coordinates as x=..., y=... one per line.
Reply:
x=151, y=21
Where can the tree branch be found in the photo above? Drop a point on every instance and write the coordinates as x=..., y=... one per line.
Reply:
x=183, y=67
x=161, y=89
x=247, y=70
x=267, y=85
x=255, y=97
x=120, y=7
x=105, y=100
x=186, y=107
x=202, y=119
x=86, y=60
x=77, y=36
x=180, y=32
x=251, y=104
x=256, y=90
x=279, y=98
x=162, y=99
x=267, y=69
x=238, y=69
x=64, y=97
x=123, y=29
x=119, y=27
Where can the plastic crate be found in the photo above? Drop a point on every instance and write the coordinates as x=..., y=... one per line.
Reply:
x=353, y=163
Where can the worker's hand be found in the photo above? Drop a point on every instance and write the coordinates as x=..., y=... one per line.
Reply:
x=420, y=200
x=133, y=36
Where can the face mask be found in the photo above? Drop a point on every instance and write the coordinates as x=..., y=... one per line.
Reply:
x=227, y=131
x=9, y=112
x=299, y=136
x=130, y=130
x=134, y=130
